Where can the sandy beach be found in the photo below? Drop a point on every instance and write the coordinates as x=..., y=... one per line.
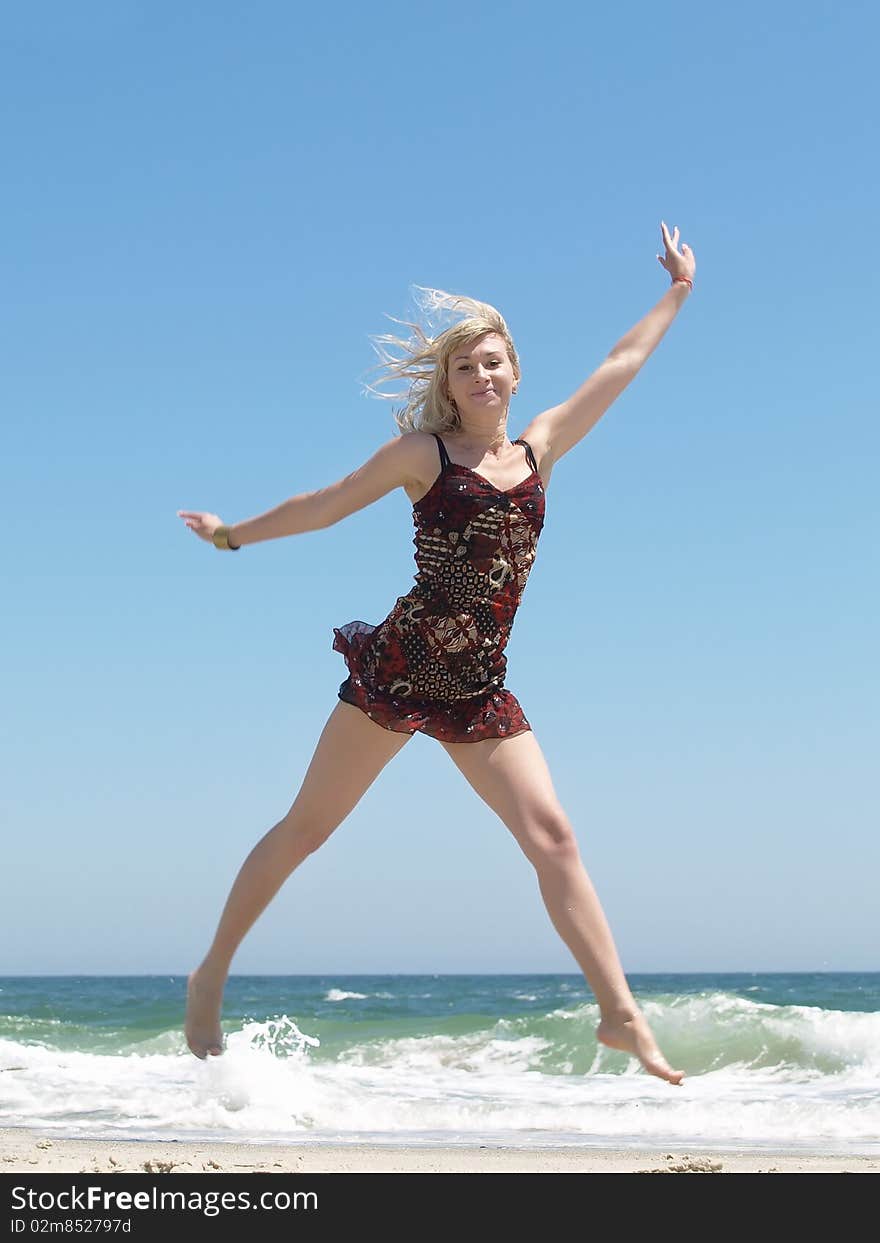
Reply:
x=24, y=1151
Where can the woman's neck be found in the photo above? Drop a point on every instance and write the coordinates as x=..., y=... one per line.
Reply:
x=479, y=440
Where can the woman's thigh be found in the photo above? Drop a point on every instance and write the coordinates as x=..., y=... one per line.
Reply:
x=512, y=777
x=351, y=752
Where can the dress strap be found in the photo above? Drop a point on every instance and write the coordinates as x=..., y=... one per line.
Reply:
x=528, y=448
x=445, y=459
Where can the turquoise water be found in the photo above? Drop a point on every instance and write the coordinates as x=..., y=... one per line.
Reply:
x=773, y=1060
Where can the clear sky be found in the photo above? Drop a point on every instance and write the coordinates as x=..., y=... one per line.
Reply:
x=207, y=209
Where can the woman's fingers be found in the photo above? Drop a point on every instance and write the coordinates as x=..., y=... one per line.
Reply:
x=677, y=262
x=668, y=240
x=200, y=523
x=192, y=519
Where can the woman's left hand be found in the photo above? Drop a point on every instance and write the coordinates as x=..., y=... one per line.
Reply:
x=677, y=263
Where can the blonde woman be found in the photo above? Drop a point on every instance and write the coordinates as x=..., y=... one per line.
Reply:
x=436, y=663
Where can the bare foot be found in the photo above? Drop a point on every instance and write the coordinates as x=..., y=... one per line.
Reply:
x=633, y=1035
x=204, y=997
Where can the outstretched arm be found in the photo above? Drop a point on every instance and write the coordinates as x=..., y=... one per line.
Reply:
x=391, y=466
x=560, y=428
x=644, y=338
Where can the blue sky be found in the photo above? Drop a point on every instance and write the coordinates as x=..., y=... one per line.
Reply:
x=207, y=210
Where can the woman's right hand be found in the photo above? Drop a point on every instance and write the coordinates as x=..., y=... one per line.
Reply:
x=204, y=525
x=677, y=263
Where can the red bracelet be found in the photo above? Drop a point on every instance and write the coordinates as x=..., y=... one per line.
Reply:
x=683, y=278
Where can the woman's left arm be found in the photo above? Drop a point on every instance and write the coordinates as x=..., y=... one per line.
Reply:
x=560, y=428
x=642, y=340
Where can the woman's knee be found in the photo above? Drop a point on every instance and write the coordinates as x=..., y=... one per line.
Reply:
x=305, y=831
x=548, y=839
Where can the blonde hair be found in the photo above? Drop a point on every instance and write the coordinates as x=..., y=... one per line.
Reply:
x=425, y=358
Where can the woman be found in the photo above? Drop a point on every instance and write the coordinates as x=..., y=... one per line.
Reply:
x=436, y=664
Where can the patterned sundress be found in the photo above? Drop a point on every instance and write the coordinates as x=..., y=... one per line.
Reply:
x=436, y=663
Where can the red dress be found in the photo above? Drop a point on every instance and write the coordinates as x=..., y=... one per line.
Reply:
x=436, y=663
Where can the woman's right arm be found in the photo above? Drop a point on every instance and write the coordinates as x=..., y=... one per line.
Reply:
x=391, y=466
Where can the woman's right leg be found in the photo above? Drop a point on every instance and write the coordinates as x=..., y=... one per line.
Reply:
x=350, y=754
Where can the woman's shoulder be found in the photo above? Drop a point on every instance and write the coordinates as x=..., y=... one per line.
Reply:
x=421, y=451
x=416, y=436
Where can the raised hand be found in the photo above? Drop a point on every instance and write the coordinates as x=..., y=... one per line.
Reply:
x=204, y=525
x=677, y=263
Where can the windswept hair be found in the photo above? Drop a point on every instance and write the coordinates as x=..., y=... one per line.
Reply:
x=425, y=358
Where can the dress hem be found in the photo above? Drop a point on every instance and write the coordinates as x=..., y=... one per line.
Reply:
x=398, y=725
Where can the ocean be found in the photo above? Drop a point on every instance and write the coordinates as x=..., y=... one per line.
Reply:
x=774, y=1062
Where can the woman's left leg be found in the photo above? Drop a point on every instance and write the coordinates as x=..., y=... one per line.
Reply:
x=511, y=776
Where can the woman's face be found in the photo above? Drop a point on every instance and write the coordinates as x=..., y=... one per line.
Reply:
x=480, y=376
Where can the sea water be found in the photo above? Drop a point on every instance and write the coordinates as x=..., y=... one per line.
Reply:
x=773, y=1061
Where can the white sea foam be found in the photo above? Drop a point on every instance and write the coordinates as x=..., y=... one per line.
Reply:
x=786, y=1077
